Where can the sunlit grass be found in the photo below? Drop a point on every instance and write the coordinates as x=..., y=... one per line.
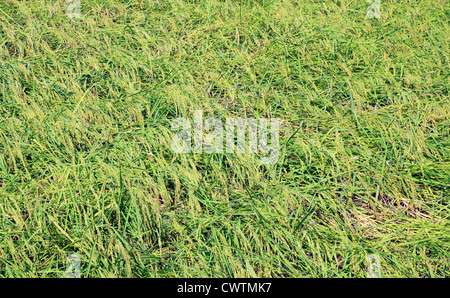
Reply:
x=86, y=164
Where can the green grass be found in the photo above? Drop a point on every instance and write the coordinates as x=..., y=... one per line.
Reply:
x=86, y=164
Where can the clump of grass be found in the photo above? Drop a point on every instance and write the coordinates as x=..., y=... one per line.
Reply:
x=86, y=165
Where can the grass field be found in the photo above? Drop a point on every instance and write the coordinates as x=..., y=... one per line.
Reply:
x=86, y=165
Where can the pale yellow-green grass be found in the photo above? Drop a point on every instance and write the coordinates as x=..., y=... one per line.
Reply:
x=86, y=164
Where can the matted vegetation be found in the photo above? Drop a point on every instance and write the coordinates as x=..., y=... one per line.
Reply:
x=86, y=164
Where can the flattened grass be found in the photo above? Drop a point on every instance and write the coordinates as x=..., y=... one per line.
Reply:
x=86, y=165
